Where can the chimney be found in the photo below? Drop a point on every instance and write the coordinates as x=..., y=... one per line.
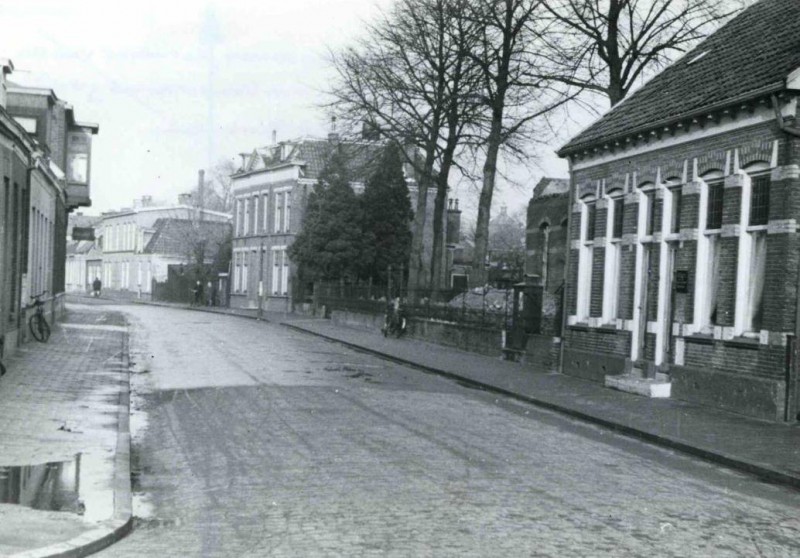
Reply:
x=147, y=201
x=185, y=199
x=6, y=67
x=274, y=137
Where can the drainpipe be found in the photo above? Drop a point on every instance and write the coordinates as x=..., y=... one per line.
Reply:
x=791, y=374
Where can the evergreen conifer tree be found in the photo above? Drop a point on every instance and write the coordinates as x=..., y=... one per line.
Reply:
x=331, y=244
x=387, y=216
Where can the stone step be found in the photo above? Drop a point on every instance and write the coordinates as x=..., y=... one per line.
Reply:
x=649, y=387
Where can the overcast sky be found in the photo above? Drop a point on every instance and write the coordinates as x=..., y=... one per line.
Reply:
x=177, y=86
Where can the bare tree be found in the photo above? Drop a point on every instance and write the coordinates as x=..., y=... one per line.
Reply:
x=409, y=78
x=605, y=47
x=514, y=94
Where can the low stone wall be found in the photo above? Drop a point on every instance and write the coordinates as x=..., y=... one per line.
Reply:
x=542, y=352
x=356, y=319
x=475, y=339
x=762, y=398
x=468, y=338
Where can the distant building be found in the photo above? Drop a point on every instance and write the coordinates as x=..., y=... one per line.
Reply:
x=136, y=246
x=546, y=233
x=684, y=243
x=270, y=193
x=84, y=260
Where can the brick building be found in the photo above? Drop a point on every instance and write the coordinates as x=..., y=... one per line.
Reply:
x=684, y=249
x=44, y=164
x=270, y=192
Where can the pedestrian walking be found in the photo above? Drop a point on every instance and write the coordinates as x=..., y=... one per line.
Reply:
x=96, y=285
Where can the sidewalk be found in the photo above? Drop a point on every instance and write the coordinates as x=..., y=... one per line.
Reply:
x=64, y=439
x=768, y=450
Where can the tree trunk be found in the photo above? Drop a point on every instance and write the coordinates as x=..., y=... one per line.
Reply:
x=478, y=276
x=438, y=232
x=416, y=277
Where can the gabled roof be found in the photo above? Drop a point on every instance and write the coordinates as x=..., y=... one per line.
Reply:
x=311, y=154
x=751, y=56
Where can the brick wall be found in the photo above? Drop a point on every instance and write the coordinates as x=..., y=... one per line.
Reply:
x=598, y=282
x=608, y=341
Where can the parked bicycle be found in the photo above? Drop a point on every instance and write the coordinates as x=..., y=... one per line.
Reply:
x=37, y=323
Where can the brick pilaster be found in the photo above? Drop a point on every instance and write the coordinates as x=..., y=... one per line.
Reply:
x=572, y=283
x=598, y=282
x=686, y=260
x=726, y=288
x=652, y=281
x=626, y=282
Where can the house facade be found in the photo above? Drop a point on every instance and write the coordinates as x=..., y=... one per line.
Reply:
x=36, y=196
x=136, y=246
x=270, y=193
x=683, y=239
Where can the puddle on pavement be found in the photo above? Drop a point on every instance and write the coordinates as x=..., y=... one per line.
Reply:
x=51, y=486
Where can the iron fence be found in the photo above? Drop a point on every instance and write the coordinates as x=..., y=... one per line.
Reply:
x=483, y=307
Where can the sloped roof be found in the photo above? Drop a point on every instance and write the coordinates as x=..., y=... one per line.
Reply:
x=312, y=154
x=174, y=236
x=750, y=56
x=80, y=246
x=361, y=157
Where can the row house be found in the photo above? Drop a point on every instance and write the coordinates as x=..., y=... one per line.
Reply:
x=683, y=269
x=270, y=192
x=136, y=246
x=44, y=169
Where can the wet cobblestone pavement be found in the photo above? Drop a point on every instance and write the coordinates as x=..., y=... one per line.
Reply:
x=254, y=440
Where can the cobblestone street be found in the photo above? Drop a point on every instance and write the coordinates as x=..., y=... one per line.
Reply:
x=254, y=440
